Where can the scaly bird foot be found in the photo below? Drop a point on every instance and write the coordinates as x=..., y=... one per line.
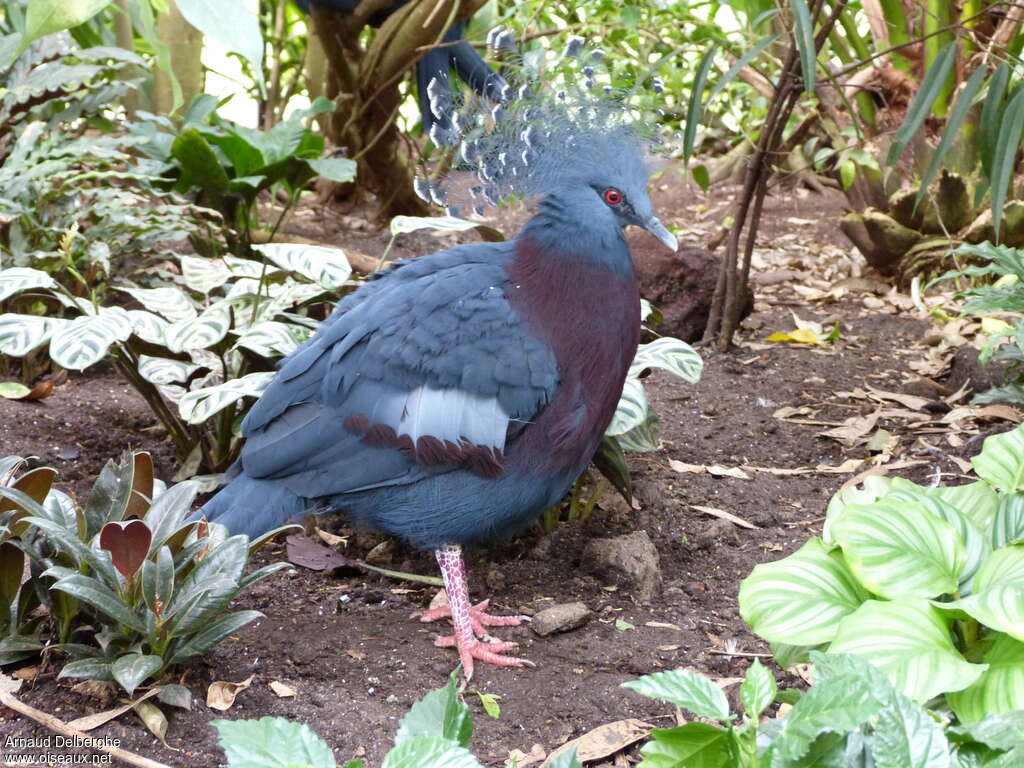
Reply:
x=489, y=653
x=479, y=619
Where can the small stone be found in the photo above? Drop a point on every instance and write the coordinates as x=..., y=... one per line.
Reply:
x=560, y=618
x=631, y=559
x=694, y=587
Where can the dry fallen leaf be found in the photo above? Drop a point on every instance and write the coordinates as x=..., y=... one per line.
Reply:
x=97, y=719
x=718, y=471
x=281, y=690
x=854, y=431
x=331, y=540
x=221, y=694
x=25, y=673
x=662, y=625
x=721, y=513
x=9, y=684
x=605, y=740
x=521, y=759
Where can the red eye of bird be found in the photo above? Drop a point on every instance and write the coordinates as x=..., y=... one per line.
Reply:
x=612, y=196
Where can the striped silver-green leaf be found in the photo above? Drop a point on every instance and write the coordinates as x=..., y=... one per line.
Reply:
x=327, y=267
x=1008, y=524
x=643, y=438
x=199, y=405
x=800, y=599
x=670, y=355
x=87, y=339
x=1001, y=461
x=203, y=275
x=18, y=279
x=403, y=225
x=167, y=301
x=900, y=549
x=148, y=327
x=288, y=296
x=976, y=500
x=244, y=267
x=1004, y=566
x=976, y=544
x=20, y=334
x=199, y=332
x=161, y=370
x=910, y=641
x=632, y=409
x=1000, y=688
x=273, y=339
x=1000, y=607
x=874, y=488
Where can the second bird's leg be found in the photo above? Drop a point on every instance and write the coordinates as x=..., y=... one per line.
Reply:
x=469, y=620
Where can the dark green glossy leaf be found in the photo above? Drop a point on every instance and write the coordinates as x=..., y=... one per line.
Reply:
x=804, y=34
x=133, y=669
x=694, y=107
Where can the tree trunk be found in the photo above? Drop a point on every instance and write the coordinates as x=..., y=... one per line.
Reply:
x=186, y=45
x=364, y=83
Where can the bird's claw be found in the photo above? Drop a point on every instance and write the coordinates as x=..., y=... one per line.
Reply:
x=478, y=618
x=487, y=652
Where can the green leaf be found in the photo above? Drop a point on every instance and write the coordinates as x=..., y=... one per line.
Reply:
x=622, y=625
x=328, y=267
x=642, y=438
x=212, y=634
x=199, y=332
x=694, y=105
x=20, y=334
x=611, y=462
x=694, y=744
x=1000, y=607
x=757, y=690
x=200, y=168
x=90, y=591
x=1004, y=567
x=339, y=169
x=13, y=390
x=44, y=17
x=1004, y=731
x=86, y=339
x=489, y=702
x=132, y=669
x=906, y=736
x=403, y=225
x=839, y=707
x=109, y=496
x=203, y=275
x=439, y=713
x=631, y=412
x=149, y=327
x=168, y=301
x=685, y=689
x=989, y=123
x=804, y=35
x=240, y=35
x=88, y=669
x=158, y=581
x=799, y=600
x=198, y=405
x=161, y=370
x=1001, y=461
x=565, y=759
x=429, y=750
x=847, y=173
x=931, y=86
x=272, y=742
x=898, y=549
x=669, y=354
x=1008, y=524
x=952, y=130
x=1003, y=163
x=999, y=690
x=910, y=641
x=874, y=488
x=701, y=176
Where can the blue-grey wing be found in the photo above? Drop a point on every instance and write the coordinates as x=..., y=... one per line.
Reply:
x=424, y=370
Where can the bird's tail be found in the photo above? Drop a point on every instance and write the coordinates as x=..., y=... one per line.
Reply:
x=253, y=507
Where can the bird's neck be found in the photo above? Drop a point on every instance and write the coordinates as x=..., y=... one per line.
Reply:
x=563, y=229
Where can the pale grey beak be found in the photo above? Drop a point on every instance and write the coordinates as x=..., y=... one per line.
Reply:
x=657, y=229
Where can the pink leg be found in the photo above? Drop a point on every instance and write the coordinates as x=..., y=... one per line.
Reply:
x=469, y=620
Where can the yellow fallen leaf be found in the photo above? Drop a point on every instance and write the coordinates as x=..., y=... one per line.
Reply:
x=992, y=325
x=799, y=336
x=221, y=694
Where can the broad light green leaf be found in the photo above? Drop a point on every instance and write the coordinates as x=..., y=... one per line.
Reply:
x=86, y=339
x=403, y=225
x=839, y=707
x=200, y=404
x=671, y=355
x=757, y=690
x=800, y=599
x=1000, y=688
x=149, y=327
x=339, y=169
x=692, y=744
x=273, y=339
x=897, y=549
x=910, y=641
x=20, y=334
x=1003, y=567
x=686, y=690
x=632, y=409
x=439, y=713
x=160, y=370
x=978, y=500
x=874, y=488
x=327, y=267
x=18, y=279
x=1008, y=524
x=1001, y=461
x=1004, y=731
x=44, y=17
x=272, y=742
x=906, y=736
x=200, y=332
x=1000, y=607
x=168, y=301
x=230, y=23
x=434, y=751
x=642, y=438
x=244, y=267
x=132, y=669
